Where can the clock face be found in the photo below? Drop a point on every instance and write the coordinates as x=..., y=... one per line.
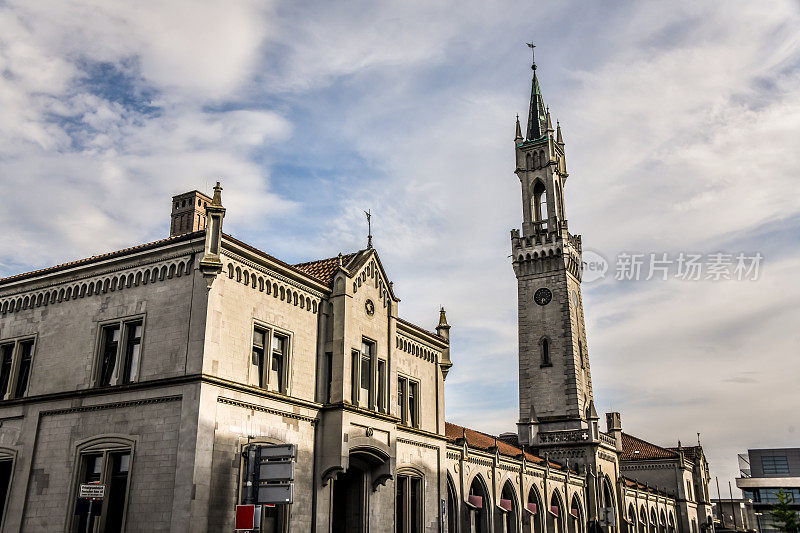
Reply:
x=369, y=307
x=542, y=296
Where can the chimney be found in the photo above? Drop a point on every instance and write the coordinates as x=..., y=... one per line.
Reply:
x=614, y=428
x=188, y=213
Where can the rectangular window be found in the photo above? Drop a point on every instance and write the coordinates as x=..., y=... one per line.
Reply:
x=355, y=363
x=133, y=346
x=365, y=381
x=278, y=378
x=774, y=464
x=381, y=386
x=689, y=490
x=119, y=352
x=16, y=359
x=6, y=358
x=25, y=356
x=271, y=358
x=259, y=340
x=413, y=404
x=402, y=383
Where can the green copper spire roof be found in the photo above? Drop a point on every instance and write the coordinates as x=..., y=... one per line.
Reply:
x=537, y=116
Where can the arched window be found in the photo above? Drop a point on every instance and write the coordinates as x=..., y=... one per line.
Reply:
x=534, y=512
x=653, y=521
x=478, y=504
x=555, y=514
x=575, y=524
x=452, y=506
x=545, y=344
x=539, y=205
x=507, y=519
x=631, y=519
x=102, y=461
x=580, y=354
x=409, y=495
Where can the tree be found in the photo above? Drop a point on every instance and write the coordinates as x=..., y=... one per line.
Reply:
x=785, y=517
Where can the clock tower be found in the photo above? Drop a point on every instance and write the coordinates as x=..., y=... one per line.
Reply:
x=555, y=385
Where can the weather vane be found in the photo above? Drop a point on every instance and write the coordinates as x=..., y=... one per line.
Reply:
x=369, y=228
x=533, y=55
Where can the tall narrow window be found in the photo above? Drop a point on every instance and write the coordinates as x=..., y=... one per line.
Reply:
x=413, y=404
x=546, y=353
x=355, y=365
x=24, y=372
x=381, y=386
x=280, y=344
x=109, y=353
x=580, y=354
x=402, y=383
x=366, y=370
x=328, y=376
x=133, y=346
x=408, y=507
x=259, y=339
x=6, y=358
x=16, y=360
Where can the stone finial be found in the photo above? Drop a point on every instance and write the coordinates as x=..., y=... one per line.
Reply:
x=559, y=138
x=518, y=136
x=549, y=124
x=217, y=199
x=339, y=260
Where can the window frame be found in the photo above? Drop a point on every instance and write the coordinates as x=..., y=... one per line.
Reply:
x=13, y=377
x=357, y=358
x=774, y=464
x=545, y=347
x=404, y=396
x=253, y=376
x=410, y=475
x=122, y=348
x=105, y=445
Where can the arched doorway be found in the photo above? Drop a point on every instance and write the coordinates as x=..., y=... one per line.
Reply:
x=555, y=514
x=507, y=520
x=534, y=512
x=477, y=507
x=350, y=491
x=575, y=518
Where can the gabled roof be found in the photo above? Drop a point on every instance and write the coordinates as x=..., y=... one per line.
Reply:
x=689, y=452
x=325, y=269
x=485, y=442
x=101, y=257
x=634, y=448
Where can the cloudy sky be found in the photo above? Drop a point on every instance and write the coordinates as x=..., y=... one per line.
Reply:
x=681, y=121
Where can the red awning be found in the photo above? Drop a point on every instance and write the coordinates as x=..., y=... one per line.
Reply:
x=475, y=501
x=505, y=504
x=554, y=510
x=532, y=508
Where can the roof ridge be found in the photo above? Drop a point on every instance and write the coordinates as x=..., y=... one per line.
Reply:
x=326, y=259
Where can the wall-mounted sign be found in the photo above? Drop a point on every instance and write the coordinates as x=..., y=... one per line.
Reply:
x=92, y=490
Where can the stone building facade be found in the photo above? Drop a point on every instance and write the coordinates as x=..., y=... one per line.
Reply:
x=145, y=373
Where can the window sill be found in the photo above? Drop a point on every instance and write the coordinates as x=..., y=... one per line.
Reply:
x=545, y=365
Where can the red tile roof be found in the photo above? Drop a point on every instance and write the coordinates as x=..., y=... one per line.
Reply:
x=485, y=442
x=95, y=258
x=634, y=448
x=689, y=452
x=324, y=269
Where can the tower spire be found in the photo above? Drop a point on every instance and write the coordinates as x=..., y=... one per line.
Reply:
x=536, y=111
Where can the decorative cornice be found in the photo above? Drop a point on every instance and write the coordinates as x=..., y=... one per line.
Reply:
x=113, y=405
x=255, y=407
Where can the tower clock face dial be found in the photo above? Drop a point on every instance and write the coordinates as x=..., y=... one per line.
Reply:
x=542, y=296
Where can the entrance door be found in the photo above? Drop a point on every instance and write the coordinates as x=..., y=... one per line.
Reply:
x=348, y=502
